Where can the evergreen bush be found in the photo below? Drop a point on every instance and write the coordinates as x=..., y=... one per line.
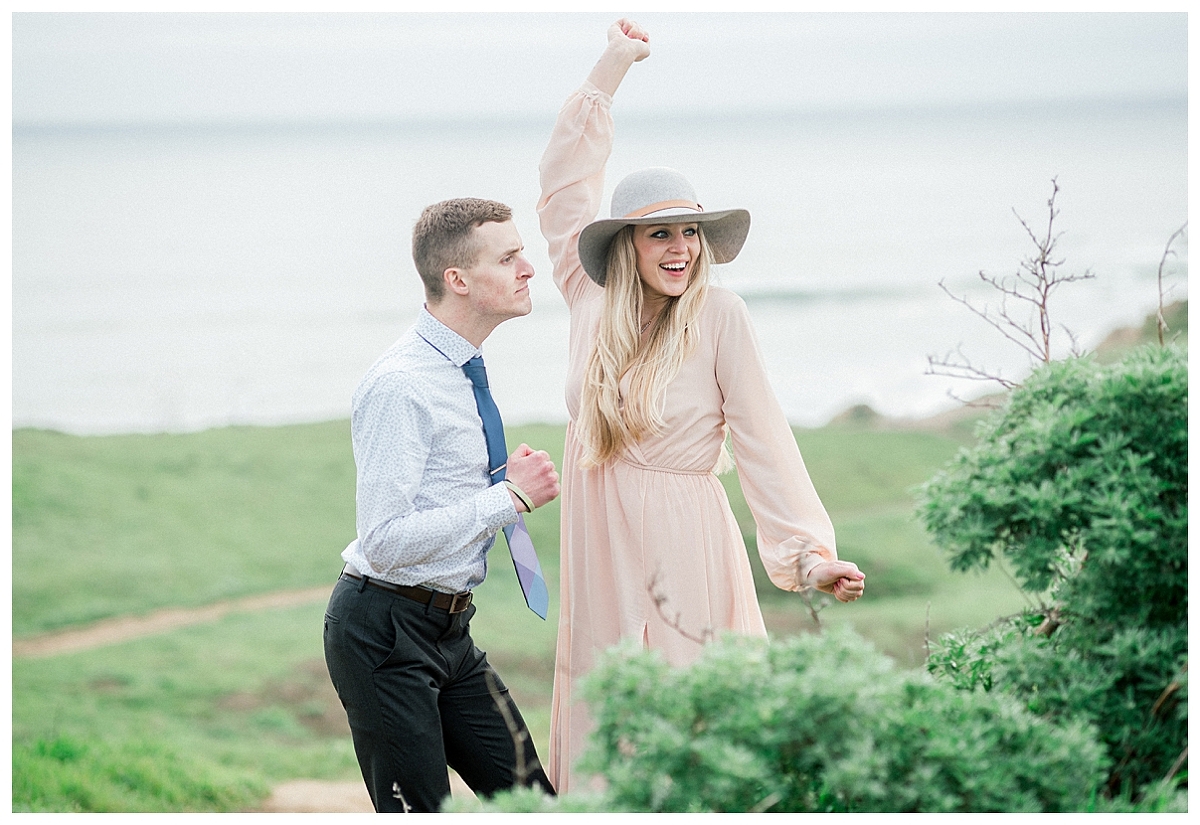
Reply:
x=1079, y=483
x=816, y=723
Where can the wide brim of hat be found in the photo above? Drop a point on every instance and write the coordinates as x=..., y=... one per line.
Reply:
x=725, y=232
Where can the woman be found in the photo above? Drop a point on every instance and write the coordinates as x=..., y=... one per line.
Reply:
x=661, y=367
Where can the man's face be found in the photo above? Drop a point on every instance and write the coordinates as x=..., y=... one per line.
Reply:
x=499, y=278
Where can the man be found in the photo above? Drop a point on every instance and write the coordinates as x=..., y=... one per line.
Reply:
x=418, y=694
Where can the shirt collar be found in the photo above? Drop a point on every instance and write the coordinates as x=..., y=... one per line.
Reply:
x=445, y=340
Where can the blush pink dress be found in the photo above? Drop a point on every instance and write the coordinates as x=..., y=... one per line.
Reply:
x=656, y=523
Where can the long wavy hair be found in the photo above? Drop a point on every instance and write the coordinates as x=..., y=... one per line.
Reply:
x=609, y=423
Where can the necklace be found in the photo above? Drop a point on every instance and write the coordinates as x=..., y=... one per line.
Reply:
x=646, y=326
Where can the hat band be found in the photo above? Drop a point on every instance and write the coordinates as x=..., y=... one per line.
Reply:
x=661, y=205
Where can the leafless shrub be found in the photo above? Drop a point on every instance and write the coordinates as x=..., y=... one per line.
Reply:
x=1029, y=290
x=398, y=794
x=659, y=598
x=1181, y=232
x=814, y=606
x=520, y=736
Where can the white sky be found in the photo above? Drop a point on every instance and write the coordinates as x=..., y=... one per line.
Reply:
x=173, y=67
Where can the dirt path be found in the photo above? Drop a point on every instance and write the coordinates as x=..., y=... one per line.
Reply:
x=313, y=796
x=303, y=796
x=126, y=628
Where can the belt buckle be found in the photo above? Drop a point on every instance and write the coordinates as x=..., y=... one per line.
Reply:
x=459, y=602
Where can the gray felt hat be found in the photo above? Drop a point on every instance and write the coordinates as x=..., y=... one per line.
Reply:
x=660, y=195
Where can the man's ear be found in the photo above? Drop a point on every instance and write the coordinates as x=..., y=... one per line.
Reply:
x=455, y=280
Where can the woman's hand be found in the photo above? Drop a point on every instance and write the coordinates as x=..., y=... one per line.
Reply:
x=628, y=43
x=842, y=579
x=627, y=34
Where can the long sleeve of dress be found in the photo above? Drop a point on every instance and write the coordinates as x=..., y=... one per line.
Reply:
x=572, y=180
x=795, y=533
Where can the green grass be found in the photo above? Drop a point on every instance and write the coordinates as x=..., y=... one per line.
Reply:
x=109, y=526
x=125, y=524
x=244, y=700
x=66, y=774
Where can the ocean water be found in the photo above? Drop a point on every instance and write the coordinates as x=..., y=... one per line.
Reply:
x=174, y=279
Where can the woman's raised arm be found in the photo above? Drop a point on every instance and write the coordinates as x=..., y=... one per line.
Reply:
x=572, y=167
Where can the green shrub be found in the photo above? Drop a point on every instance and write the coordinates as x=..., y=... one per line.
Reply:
x=818, y=723
x=529, y=800
x=1080, y=484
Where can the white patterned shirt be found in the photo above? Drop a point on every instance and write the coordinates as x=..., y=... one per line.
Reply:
x=427, y=512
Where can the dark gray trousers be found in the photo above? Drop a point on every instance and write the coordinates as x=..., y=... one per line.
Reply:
x=416, y=693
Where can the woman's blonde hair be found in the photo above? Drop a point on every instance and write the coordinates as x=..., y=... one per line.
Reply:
x=609, y=423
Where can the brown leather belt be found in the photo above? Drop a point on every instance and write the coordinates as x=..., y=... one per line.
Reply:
x=450, y=602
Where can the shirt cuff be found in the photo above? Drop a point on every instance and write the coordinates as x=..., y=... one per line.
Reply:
x=496, y=508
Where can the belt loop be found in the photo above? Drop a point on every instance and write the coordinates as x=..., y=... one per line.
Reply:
x=362, y=585
x=429, y=604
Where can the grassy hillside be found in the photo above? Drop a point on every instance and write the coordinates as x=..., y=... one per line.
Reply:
x=113, y=526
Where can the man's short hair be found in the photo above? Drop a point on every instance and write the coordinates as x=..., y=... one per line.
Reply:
x=444, y=237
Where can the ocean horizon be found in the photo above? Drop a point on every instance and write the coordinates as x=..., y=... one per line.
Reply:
x=177, y=277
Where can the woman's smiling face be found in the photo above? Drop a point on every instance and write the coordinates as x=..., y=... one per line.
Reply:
x=666, y=257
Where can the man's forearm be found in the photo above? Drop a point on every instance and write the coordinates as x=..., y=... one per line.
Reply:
x=420, y=537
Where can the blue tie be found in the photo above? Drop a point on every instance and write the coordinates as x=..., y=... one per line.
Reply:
x=520, y=545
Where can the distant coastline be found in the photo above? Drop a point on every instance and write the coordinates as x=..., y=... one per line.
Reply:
x=1117, y=343
x=863, y=416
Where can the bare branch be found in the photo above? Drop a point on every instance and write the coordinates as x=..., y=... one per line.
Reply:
x=997, y=325
x=1162, y=323
x=963, y=368
x=814, y=609
x=1050, y=237
x=397, y=794
x=1003, y=620
x=766, y=803
x=1178, y=764
x=1167, y=693
x=1051, y=621
x=1035, y=280
x=660, y=601
x=1041, y=605
x=1076, y=350
x=522, y=769
x=928, y=606
x=989, y=402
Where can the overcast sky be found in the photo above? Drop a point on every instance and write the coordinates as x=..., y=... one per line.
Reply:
x=169, y=67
